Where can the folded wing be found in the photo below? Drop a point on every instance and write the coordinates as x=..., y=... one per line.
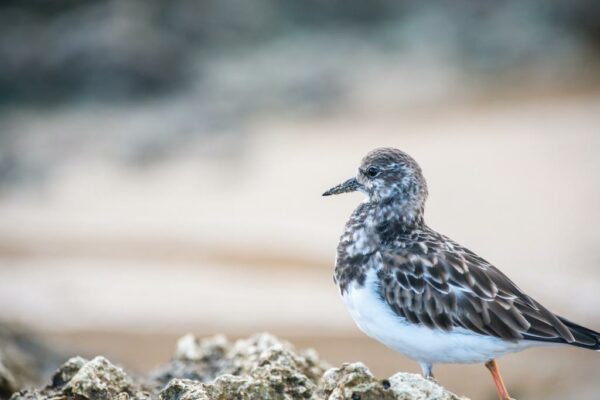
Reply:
x=435, y=282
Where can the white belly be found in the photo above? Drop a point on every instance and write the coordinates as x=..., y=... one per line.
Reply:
x=378, y=320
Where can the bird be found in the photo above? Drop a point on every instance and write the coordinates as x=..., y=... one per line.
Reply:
x=424, y=295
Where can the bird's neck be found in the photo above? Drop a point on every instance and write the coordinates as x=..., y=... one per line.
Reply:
x=372, y=225
x=398, y=214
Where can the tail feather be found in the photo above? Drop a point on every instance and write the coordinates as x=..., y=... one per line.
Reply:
x=584, y=337
x=580, y=336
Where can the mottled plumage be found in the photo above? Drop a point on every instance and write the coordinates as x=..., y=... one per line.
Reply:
x=419, y=282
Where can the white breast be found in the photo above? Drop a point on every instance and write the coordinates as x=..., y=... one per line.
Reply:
x=375, y=318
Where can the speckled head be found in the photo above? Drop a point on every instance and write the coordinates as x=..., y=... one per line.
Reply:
x=387, y=174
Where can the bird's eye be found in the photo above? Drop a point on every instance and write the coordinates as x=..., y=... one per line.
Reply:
x=372, y=172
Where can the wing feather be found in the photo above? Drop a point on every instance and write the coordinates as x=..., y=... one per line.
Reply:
x=435, y=282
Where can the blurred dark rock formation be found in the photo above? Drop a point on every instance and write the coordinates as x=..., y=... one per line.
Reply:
x=261, y=367
x=174, y=73
x=24, y=360
x=66, y=49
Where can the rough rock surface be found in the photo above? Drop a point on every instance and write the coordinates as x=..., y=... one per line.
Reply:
x=261, y=367
x=79, y=378
x=354, y=381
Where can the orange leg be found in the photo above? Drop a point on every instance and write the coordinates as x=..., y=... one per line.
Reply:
x=500, y=388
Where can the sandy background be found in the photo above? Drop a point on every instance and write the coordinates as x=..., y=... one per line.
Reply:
x=104, y=258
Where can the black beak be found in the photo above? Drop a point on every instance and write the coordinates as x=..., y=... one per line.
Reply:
x=350, y=185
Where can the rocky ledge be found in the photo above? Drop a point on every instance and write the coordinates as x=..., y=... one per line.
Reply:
x=261, y=367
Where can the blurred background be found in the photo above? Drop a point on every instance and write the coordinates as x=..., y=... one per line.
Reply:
x=161, y=165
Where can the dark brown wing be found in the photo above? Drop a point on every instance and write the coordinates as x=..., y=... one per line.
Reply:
x=437, y=283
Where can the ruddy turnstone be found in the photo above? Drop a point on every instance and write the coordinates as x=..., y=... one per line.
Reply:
x=424, y=295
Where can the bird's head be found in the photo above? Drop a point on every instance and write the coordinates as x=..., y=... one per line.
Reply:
x=387, y=174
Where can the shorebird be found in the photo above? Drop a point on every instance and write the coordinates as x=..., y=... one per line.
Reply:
x=424, y=295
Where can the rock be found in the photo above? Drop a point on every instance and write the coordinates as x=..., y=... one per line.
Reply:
x=24, y=360
x=67, y=371
x=261, y=367
x=355, y=381
x=8, y=383
x=222, y=388
x=100, y=380
x=190, y=348
x=415, y=387
x=264, y=350
x=264, y=367
x=195, y=359
x=183, y=389
x=79, y=378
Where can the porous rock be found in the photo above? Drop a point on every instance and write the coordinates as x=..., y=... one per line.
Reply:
x=355, y=381
x=261, y=367
x=415, y=387
x=67, y=371
x=101, y=380
x=79, y=378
